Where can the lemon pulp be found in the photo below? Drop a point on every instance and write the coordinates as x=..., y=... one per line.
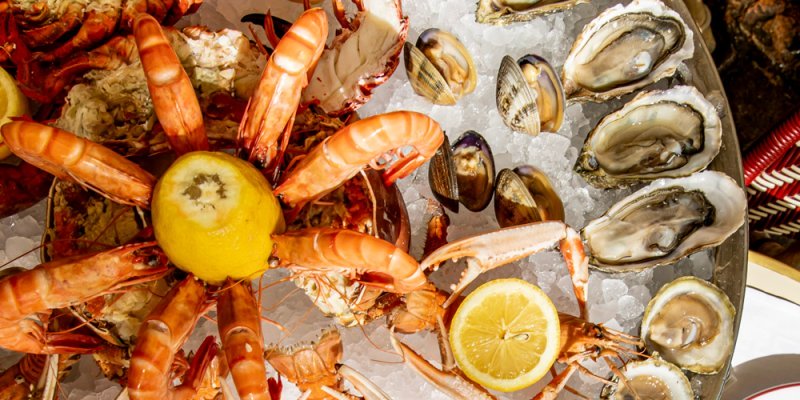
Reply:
x=12, y=104
x=213, y=215
x=506, y=334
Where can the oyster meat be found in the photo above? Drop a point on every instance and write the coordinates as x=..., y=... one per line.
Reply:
x=626, y=48
x=689, y=322
x=503, y=12
x=650, y=379
x=666, y=221
x=439, y=67
x=658, y=134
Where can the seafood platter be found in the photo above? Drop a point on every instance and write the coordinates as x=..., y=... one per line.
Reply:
x=375, y=199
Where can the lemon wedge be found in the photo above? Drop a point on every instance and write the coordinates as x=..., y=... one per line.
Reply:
x=506, y=334
x=12, y=104
x=213, y=215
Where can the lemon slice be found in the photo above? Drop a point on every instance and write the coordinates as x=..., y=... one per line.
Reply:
x=213, y=215
x=506, y=335
x=12, y=104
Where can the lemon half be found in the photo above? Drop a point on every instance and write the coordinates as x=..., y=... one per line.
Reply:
x=12, y=104
x=213, y=215
x=506, y=334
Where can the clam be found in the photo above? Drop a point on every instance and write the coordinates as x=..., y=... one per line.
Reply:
x=689, y=322
x=529, y=95
x=658, y=134
x=502, y=12
x=651, y=379
x=626, y=48
x=439, y=67
x=666, y=221
x=463, y=173
x=525, y=195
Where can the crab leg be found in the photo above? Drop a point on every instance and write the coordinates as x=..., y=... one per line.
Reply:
x=578, y=265
x=491, y=250
x=242, y=341
x=379, y=262
x=367, y=388
x=173, y=95
x=71, y=157
x=450, y=384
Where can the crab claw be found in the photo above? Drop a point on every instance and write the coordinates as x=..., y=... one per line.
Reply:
x=491, y=250
x=368, y=389
x=453, y=385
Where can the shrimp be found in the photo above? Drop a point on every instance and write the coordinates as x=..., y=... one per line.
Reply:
x=160, y=338
x=242, y=341
x=68, y=156
x=26, y=298
x=286, y=74
x=174, y=100
x=379, y=262
x=364, y=142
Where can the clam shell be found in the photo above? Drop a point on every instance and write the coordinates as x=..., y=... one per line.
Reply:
x=516, y=102
x=474, y=166
x=525, y=195
x=439, y=67
x=442, y=176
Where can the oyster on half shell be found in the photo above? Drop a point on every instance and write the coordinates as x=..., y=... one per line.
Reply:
x=658, y=134
x=649, y=379
x=626, y=48
x=689, y=322
x=501, y=12
x=666, y=221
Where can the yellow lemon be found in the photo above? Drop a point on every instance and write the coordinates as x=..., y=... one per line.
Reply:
x=505, y=335
x=12, y=104
x=213, y=215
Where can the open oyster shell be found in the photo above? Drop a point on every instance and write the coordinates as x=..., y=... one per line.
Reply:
x=650, y=379
x=666, y=221
x=501, y=12
x=626, y=48
x=689, y=322
x=658, y=134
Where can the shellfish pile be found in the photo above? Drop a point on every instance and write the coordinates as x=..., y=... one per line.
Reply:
x=618, y=301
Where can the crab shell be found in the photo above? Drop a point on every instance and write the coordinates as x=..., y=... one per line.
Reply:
x=344, y=78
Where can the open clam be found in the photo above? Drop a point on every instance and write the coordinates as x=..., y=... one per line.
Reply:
x=502, y=12
x=666, y=221
x=689, y=322
x=525, y=195
x=439, y=67
x=529, y=95
x=626, y=48
x=658, y=134
x=463, y=173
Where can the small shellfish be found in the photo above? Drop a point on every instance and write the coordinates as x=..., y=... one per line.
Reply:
x=463, y=173
x=525, y=195
x=501, y=12
x=439, y=67
x=529, y=95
